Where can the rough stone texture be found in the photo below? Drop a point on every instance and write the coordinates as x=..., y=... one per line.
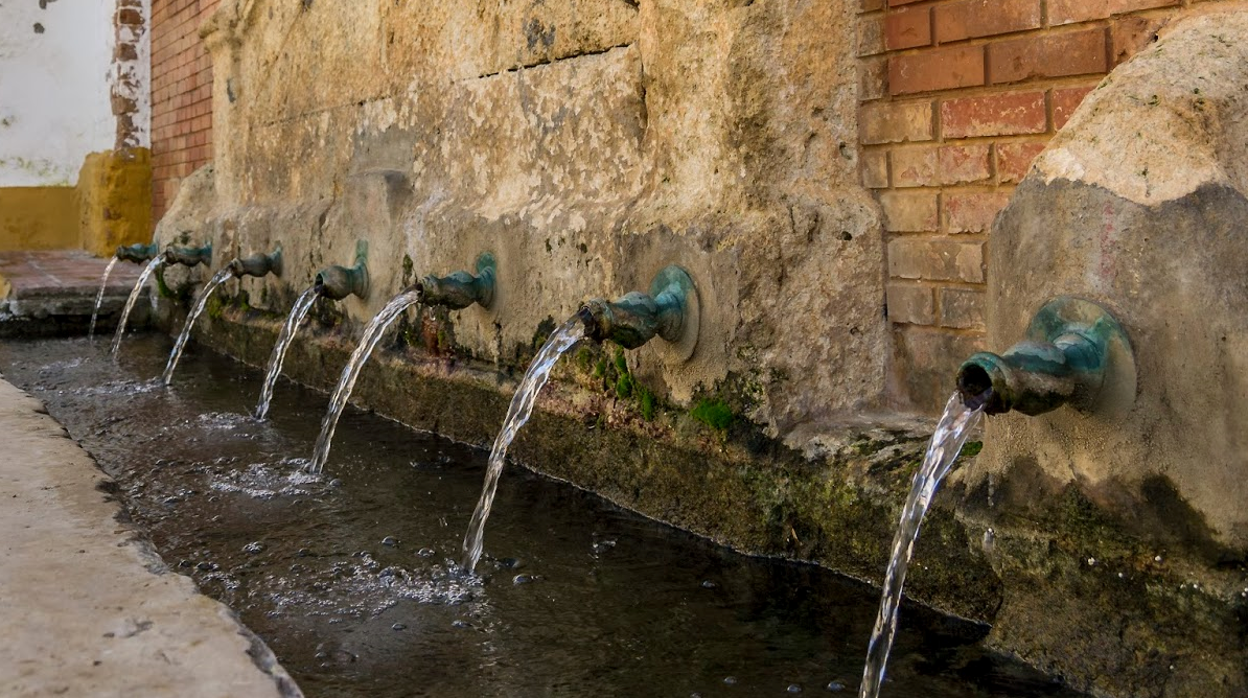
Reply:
x=1139, y=205
x=88, y=609
x=586, y=145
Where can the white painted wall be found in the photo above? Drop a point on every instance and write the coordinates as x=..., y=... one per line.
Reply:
x=55, y=106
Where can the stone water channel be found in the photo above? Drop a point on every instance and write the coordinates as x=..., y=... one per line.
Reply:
x=349, y=577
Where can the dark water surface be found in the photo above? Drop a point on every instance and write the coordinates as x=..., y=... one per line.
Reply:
x=349, y=576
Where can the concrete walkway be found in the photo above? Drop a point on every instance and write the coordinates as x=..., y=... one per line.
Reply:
x=86, y=608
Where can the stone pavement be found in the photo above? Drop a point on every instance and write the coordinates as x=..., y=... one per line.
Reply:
x=53, y=292
x=87, y=608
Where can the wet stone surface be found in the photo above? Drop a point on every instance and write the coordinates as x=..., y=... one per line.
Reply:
x=350, y=576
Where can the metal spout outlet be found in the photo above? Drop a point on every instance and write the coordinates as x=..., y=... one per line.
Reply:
x=189, y=256
x=138, y=252
x=635, y=318
x=1072, y=347
x=258, y=264
x=338, y=282
x=461, y=289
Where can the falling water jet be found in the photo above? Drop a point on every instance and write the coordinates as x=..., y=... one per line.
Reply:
x=669, y=311
x=1075, y=353
x=146, y=274
x=951, y=433
x=456, y=291
x=274, y=369
x=99, y=297
x=335, y=283
x=256, y=265
x=137, y=253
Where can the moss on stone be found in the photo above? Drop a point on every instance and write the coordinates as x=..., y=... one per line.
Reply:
x=713, y=413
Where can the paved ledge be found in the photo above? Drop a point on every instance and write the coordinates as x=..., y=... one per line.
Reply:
x=53, y=292
x=88, y=609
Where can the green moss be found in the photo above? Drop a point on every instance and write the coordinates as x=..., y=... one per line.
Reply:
x=624, y=386
x=971, y=449
x=621, y=363
x=645, y=400
x=600, y=368
x=409, y=270
x=584, y=359
x=713, y=413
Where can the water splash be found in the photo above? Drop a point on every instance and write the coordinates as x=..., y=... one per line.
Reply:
x=146, y=274
x=297, y=314
x=560, y=341
x=346, y=382
x=951, y=433
x=201, y=301
x=99, y=297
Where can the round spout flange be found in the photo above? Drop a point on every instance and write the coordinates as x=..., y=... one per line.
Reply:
x=680, y=311
x=1074, y=353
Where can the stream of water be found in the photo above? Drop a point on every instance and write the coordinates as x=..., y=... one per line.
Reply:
x=302, y=305
x=99, y=297
x=346, y=382
x=951, y=433
x=352, y=583
x=201, y=301
x=146, y=274
x=561, y=340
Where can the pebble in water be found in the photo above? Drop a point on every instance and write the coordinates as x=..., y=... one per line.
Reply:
x=794, y=688
x=836, y=686
x=522, y=579
x=398, y=626
x=730, y=681
x=460, y=624
x=708, y=584
x=426, y=552
x=253, y=547
x=390, y=541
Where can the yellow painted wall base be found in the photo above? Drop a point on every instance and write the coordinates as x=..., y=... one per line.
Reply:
x=38, y=218
x=111, y=206
x=115, y=200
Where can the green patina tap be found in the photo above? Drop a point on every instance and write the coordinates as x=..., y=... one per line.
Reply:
x=258, y=264
x=189, y=256
x=138, y=252
x=635, y=318
x=1070, y=347
x=461, y=289
x=338, y=282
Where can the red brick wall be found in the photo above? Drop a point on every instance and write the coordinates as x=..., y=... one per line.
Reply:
x=181, y=96
x=958, y=97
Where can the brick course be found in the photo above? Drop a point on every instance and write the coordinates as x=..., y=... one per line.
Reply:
x=958, y=98
x=181, y=96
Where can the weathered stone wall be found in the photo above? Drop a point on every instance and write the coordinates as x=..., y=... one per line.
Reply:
x=589, y=144
x=959, y=96
x=586, y=145
x=1139, y=204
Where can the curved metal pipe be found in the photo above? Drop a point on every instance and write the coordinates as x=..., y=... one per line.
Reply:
x=635, y=318
x=189, y=256
x=337, y=282
x=460, y=289
x=138, y=252
x=1063, y=361
x=258, y=264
